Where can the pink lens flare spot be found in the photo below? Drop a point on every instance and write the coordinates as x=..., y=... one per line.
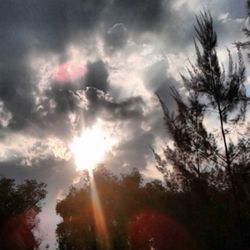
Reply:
x=155, y=230
x=68, y=72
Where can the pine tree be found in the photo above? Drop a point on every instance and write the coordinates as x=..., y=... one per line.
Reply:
x=210, y=88
x=194, y=150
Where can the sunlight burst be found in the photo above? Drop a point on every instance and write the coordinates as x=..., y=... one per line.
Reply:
x=90, y=148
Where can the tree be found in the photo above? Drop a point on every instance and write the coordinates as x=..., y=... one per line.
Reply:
x=210, y=88
x=226, y=93
x=135, y=215
x=210, y=170
x=194, y=152
x=19, y=205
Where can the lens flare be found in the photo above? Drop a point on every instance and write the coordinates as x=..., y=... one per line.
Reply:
x=156, y=230
x=68, y=72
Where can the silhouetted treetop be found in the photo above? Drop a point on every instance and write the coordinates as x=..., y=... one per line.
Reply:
x=135, y=215
x=198, y=163
x=19, y=205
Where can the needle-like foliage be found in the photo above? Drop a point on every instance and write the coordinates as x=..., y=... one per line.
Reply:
x=196, y=156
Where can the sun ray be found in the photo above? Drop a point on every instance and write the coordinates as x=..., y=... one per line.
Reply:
x=99, y=218
x=89, y=149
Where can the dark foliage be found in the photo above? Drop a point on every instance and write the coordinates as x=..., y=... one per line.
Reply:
x=210, y=89
x=212, y=169
x=136, y=215
x=19, y=205
x=145, y=216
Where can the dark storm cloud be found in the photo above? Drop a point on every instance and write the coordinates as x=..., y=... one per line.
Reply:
x=97, y=76
x=157, y=17
x=47, y=118
x=178, y=30
x=116, y=37
x=100, y=104
x=48, y=170
x=135, y=149
x=137, y=15
x=27, y=24
x=48, y=26
x=16, y=94
x=83, y=15
x=95, y=87
x=51, y=116
x=159, y=82
x=237, y=9
x=132, y=154
x=56, y=120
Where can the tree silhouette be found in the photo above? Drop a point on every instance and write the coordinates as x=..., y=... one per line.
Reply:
x=210, y=88
x=210, y=169
x=19, y=205
x=135, y=214
x=194, y=152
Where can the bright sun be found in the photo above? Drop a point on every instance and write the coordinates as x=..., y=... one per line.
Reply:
x=90, y=148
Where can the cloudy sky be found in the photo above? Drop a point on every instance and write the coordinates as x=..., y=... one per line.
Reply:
x=68, y=66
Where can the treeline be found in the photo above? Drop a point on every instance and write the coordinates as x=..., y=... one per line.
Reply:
x=19, y=206
x=204, y=202
x=137, y=215
x=149, y=215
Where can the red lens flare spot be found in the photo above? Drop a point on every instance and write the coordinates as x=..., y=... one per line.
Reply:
x=17, y=231
x=156, y=230
x=68, y=72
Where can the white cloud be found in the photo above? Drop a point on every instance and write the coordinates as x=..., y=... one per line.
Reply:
x=150, y=172
x=5, y=115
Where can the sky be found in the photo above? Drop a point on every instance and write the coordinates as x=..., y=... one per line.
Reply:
x=68, y=66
